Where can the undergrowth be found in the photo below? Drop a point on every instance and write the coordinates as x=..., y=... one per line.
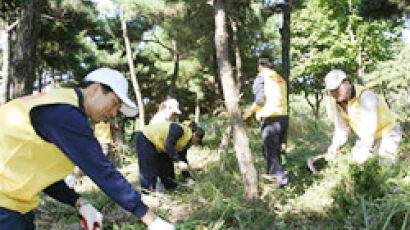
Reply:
x=343, y=195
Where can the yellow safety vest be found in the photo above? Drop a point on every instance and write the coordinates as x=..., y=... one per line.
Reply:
x=28, y=164
x=386, y=119
x=102, y=132
x=157, y=133
x=275, y=96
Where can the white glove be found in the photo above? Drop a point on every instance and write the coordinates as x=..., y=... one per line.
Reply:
x=182, y=166
x=360, y=154
x=160, y=224
x=90, y=216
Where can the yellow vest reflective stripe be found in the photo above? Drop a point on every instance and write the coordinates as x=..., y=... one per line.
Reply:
x=386, y=119
x=157, y=133
x=275, y=95
x=28, y=164
x=102, y=132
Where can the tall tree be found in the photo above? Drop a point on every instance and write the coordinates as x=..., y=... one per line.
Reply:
x=133, y=75
x=231, y=96
x=238, y=58
x=23, y=62
x=5, y=29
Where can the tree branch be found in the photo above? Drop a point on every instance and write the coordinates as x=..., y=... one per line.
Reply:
x=10, y=27
x=158, y=41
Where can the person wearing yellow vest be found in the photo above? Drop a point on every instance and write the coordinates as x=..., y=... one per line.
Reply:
x=270, y=108
x=166, y=110
x=43, y=137
x=161, y=144
x=366, y=114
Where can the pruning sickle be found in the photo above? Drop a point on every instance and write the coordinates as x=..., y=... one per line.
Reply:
x=311, y=160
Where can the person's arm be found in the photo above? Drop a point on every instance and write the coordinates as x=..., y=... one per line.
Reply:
x=68, y=128
x=368, y=120
x=341, y=133
x=185, y=173
x=175, y=132
x=61, y=192
x=259, y=92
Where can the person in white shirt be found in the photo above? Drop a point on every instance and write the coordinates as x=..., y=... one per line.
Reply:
x=367, y=114
x=166, y=110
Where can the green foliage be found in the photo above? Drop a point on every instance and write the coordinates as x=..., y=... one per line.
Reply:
x=337, y=41
x=372, y=190
x=391, y=79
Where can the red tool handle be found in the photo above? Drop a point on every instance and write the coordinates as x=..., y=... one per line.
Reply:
x=84, y=223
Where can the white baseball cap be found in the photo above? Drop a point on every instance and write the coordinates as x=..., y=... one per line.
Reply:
x=333, y=79
x=119, y=85
x=173, y=105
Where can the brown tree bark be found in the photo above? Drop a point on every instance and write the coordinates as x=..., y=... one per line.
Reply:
x=241, y=141
x=197, y=110
x=175, y=60
x=238, y=58
x=135, y=84
x=23, y=62
x=286, y=42
x=285, y=34
x=5, y=71
x=4, y=34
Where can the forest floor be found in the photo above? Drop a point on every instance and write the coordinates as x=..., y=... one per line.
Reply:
x=342, y=196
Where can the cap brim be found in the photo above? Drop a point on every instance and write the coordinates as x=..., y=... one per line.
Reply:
x=128, y=107
x=177, y=111
x=128, y=111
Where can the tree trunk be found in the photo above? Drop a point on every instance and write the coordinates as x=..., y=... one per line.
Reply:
x=238, y=59
x=132, y=71
x=360, y=67
x=23, y=62
x=286, y=11
x=312, y=106
x=318, y=99
x=5, y=68
x=241, y=141
x=286, y=41
x=5, y=73
x=218, y=86
x=197, y=110
x=175, y=59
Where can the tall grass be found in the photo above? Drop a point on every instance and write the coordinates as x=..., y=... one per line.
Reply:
x=342, y=196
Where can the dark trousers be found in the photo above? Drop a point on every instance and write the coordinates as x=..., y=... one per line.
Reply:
x=273, y=131
x=15, y=220
x=153, y=164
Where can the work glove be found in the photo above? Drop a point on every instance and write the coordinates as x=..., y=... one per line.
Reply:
x=183, y=166
x=91, y=217
x=160, y=224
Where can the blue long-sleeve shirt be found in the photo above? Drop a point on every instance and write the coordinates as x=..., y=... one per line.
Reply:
x=68, y=128
x=258, y=90
x=175, y=132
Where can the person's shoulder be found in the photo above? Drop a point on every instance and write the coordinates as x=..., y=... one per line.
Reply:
x=65, y=114
x=367, y=94
x=368, y=98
